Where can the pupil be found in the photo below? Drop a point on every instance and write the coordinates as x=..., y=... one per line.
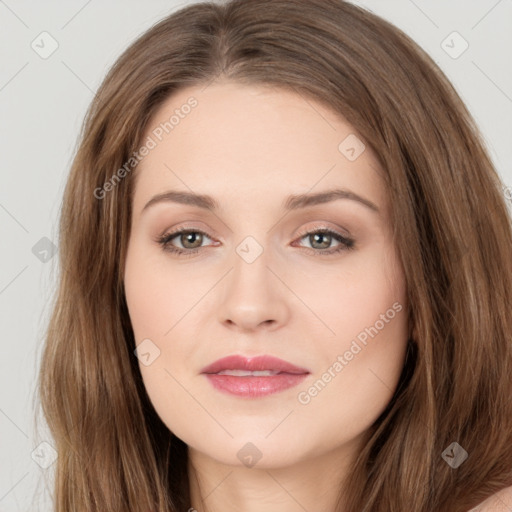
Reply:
x=190, y=237
x=320, y=235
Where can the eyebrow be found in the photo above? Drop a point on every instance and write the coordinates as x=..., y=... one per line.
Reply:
x=293, y=202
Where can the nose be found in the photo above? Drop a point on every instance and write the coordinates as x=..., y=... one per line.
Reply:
x=254, y=296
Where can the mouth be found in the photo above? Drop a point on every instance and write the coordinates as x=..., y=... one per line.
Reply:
x=253, y=377
x=247, y=373
x=263, y=363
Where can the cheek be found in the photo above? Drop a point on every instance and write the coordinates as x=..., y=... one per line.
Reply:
x=367, y=309
x=377, y=332
x=153, y=312
x=156, y=296
x=352, y=297
x=158, y=299
x=359, y=375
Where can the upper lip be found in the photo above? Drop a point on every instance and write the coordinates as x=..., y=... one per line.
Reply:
x=258, y=363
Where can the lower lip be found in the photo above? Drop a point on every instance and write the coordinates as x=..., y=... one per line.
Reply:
x=253, y=387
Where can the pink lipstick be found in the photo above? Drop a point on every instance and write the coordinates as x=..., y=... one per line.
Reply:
x=253, y=377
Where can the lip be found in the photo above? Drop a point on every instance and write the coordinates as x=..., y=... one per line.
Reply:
x=257, y=363
x=254, y=386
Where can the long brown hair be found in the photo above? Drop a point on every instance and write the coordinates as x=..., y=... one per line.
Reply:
x=450, y=223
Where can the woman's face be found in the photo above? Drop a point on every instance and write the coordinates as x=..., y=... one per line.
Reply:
x=256, y=277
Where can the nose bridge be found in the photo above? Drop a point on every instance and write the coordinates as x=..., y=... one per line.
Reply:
x=251, y=261
x=252, y=295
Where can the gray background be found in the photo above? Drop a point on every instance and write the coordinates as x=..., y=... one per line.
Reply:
x=42, y=104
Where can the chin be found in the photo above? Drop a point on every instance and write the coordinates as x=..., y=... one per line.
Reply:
x=252, y=452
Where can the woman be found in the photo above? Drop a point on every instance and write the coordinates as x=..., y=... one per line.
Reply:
x=337, y=337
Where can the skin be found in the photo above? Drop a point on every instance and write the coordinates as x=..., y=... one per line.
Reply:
x=250, y=147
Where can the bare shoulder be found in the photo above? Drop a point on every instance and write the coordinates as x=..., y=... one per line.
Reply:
x=499, y=502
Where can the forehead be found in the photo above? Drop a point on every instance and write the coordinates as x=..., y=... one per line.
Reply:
x=227, y=139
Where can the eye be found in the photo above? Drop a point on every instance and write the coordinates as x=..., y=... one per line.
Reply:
x=320, y=241
x=189, y=239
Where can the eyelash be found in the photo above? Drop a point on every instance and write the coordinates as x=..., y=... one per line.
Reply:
x=346, y=244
